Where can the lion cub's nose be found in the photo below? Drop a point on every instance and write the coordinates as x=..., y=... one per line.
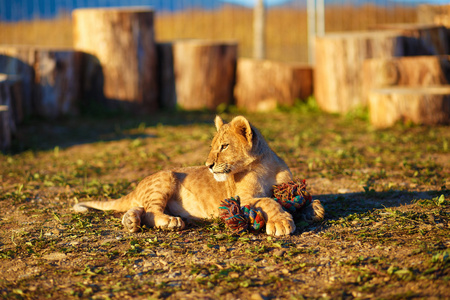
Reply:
x=210, y=165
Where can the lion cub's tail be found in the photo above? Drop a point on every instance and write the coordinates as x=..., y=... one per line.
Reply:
x=122, y=205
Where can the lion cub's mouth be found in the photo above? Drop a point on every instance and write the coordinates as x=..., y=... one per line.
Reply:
x=220, y=177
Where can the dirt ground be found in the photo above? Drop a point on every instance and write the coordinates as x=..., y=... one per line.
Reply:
x=386, y=193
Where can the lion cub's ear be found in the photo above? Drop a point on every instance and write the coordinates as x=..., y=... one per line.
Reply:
x=218, y=122
x=243, y=128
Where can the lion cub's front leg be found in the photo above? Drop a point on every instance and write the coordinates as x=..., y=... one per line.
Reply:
x=278, y=221
x=280, y=225
x=163, y=221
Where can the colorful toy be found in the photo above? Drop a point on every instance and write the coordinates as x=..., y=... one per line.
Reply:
x=292, y=196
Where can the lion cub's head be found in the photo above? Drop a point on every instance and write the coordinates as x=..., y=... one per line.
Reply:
x=233, y=148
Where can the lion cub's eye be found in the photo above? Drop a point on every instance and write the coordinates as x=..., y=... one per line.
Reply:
x=223, y=147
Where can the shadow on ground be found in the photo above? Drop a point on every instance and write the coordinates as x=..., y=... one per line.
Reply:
x=38, y=134
x=344, y=205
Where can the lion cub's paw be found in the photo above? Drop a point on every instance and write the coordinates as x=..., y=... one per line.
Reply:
x=280, y=226
x=169, y=222
x=131, y=220
x=314, y=212
x=319, y=211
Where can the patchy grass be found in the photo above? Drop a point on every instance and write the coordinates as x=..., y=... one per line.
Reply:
x=386, y=234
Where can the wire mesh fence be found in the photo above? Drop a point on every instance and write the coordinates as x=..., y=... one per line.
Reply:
x=48, y=22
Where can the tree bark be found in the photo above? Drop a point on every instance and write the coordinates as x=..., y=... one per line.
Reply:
x=421, y=105
x=339, y=63
x=204, y=73
x=261, y=85
x=122, y=39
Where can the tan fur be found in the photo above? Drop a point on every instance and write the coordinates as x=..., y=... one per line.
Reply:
x=240, y=163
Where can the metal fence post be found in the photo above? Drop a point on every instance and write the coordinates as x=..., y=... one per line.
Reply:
x=259, y=30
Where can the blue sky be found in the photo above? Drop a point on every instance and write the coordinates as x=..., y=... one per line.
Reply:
x=250, y=3
x=17, y=10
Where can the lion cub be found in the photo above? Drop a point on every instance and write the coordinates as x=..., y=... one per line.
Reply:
x=240, y=163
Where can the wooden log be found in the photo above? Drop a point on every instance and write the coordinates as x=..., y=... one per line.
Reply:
x=50, y=79
x=8, y=116
x=57, y=88
x=204, y=73
x=167, y=91
x=10, y=97
x=405, y=71
x=20, y=61
x=429, y=39
x=123, y=41
x=420, y=105
x=339, y=63
x=5, y=131
x=261, y=85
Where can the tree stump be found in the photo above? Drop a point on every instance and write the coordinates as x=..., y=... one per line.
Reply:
x=339, y=62
x=10, y=108
x=261, y=85
x=122, y=39
x=20, y=61
x=420, y=105
x=405, y=71
x=5, y=131
x=57, y=82
x=204, y=73
x=430, y=39
x=11, y=97
x=49, y=79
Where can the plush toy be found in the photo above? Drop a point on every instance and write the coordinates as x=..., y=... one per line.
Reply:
x=292, y=196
